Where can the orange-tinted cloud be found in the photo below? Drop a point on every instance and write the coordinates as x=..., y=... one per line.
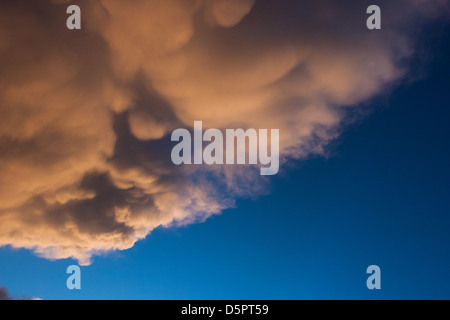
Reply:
x=85, y=115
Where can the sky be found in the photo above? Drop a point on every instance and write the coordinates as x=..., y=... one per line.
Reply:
x=85, y=140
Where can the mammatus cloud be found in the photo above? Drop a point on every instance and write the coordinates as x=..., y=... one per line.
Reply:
x=86, y=116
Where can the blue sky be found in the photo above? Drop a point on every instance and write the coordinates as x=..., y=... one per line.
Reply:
x=381, y=197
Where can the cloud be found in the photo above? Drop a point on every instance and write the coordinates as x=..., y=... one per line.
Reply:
x=4, y=295
x=227, y=13
x=85, y=116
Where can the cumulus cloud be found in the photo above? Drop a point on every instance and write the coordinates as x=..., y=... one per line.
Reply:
x=4, y=295
x=86, y=116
